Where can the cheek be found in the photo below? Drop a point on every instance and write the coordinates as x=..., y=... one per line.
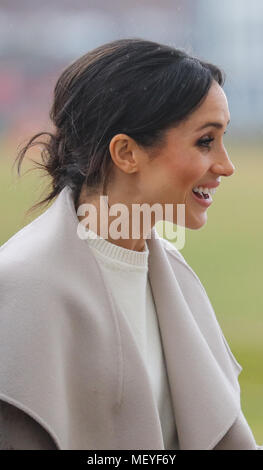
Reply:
x=184, y=172
x=180, y=170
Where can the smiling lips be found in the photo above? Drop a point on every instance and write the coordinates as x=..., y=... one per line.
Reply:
x=203, y=193
x=205, y=201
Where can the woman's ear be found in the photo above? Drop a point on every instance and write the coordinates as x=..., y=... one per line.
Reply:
x=124, y=153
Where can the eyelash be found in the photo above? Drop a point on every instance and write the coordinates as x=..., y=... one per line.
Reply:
x=205, y=142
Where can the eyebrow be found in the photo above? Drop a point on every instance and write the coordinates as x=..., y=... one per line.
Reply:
x=218, y=125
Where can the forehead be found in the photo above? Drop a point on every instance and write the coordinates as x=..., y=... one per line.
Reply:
x=214, y=108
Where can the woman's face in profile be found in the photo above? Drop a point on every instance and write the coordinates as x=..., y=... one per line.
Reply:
x=193, y=156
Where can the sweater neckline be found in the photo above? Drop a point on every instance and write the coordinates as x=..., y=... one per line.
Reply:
x=117, y=253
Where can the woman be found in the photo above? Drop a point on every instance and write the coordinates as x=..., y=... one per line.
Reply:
x=111, y=342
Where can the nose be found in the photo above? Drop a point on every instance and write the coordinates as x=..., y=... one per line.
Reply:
x=223, y=164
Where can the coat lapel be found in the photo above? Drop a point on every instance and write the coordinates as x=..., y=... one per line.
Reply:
x=70, y=358
x=89, y=386
x=204, y=385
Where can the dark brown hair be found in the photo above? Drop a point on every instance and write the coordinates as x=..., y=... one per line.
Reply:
x=132, y=86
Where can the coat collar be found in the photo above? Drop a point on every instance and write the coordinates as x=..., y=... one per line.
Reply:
x=202, y=372
x=204, y=387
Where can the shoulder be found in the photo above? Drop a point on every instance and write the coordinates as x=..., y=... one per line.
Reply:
x=46, y=246
x=25, y=244
x=28, y=264
x=43, y=267
x=35, y=251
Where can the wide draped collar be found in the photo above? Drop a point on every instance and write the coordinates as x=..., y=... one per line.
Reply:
x=69, y=357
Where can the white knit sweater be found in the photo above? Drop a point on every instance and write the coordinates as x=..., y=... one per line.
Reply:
x=126, y=272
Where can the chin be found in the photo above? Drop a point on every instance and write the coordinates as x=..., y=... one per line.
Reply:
x=196, y=223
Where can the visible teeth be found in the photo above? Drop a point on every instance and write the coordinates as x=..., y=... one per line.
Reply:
x=198, y=190
x=201, y=189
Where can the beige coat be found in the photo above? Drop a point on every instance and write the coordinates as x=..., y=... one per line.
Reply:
x=69, y=358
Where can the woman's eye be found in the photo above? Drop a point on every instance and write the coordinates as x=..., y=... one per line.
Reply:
x=205, y=142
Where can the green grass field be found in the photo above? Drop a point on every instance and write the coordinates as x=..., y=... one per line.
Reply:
x=226, y=254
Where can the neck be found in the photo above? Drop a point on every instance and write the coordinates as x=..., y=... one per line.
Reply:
x=104, y=221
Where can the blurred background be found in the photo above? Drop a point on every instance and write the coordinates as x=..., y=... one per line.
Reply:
x=38, y=39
